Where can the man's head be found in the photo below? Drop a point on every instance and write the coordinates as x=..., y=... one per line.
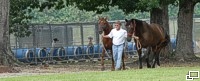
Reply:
x=55, y=39
x=117, y=25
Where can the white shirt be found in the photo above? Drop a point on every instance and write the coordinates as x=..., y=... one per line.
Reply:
x=119, y=36
x=53, y=44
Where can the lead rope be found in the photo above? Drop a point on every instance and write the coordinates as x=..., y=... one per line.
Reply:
x=139, y=46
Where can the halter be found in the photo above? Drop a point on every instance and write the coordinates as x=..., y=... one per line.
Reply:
x=133, y=26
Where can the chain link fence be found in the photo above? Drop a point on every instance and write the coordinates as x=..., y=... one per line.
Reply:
x=76, y=41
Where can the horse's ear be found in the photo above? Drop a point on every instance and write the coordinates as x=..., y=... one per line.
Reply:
x=106, y=18
x=126, y=20
x=132, y=20
x=99, y=17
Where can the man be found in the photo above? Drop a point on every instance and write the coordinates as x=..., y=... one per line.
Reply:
x=54, y=42
x=52, y=49
x=119, y=36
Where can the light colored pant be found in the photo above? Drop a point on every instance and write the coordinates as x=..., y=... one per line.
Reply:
x=117, y=55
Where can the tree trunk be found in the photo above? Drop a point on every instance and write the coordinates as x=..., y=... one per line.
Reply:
x=4, y=15
x=184, y=46
x=160, y=16
x=6, y=56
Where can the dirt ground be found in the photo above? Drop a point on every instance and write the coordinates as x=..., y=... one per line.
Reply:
x=79, y=66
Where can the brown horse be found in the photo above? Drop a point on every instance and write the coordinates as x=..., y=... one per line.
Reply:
x=105, y=28
x=149, y=35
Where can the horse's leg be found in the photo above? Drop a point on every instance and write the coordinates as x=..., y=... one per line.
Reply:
x=154, y=60
x=154, y=55
x=102, y=60
x=123, y=58
x=113, y=66
x=140, y=58
x=147, y=57
x=158, y=57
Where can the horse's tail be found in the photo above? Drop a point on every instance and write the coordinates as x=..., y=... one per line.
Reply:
x=167, y=40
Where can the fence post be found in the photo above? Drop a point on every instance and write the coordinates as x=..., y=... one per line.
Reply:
x=82, y=40
x=34, y=43
x=96, y=33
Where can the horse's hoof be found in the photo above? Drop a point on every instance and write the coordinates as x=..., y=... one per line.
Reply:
x=112, y=69
x=140, y=67
x=148, y=66
x=153, y=66
x=127, y=67
x=118, y=69
x=102, y=69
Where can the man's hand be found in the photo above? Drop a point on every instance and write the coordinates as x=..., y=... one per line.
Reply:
x=102, y=36
x=136, y=37
x=105, y=36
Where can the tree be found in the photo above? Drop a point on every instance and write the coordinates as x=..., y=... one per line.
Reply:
x=160, y=16
x=5, y=52
x=184, y=46
x=7, y=21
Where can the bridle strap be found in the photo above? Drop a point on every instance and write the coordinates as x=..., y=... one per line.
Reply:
x=134, y=25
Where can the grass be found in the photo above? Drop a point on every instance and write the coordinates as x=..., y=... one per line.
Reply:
x=157, y=74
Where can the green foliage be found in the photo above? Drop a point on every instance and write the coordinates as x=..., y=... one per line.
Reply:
x=19, y=16
x=128, y=6
x=148, y=4
x=98, y=6
x=73, y=14
x=173, y=11
x=131, y=6
x=197, y=10
x=64, y=15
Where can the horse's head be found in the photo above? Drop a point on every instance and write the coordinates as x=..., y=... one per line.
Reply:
x=103, y=24
x=130, y=26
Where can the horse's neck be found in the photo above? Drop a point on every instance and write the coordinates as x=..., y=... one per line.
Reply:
x=142, y=28
x=107, y=31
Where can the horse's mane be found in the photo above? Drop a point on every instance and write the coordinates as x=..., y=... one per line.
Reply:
x=139, y=25
x=139, y=22
x=110, y=27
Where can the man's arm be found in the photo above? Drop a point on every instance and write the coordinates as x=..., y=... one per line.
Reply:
x=105, y=36
x=110, y=35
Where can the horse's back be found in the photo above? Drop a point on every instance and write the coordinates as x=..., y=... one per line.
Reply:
x=160, y=35
x=158, y=31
